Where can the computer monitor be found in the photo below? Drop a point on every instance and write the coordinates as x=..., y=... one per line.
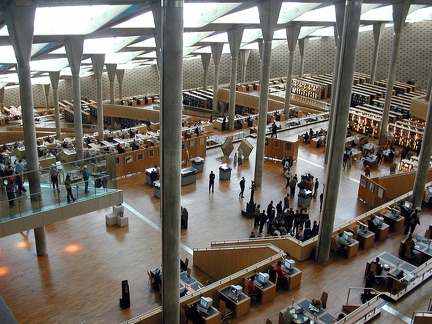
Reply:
x=347, y=236
x=362, y=227
x=236, y=290
x=407, y=204
x=263, y=278
x=289, y=264
x=205, y=302
x=378, y=221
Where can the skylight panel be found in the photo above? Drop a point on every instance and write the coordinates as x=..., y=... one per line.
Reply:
x=41, y=80
x=306, y=31
x=151, y=42
x=121, y=57
x=420, y=14
x=327, y=14
x=7, y=55
x=73, y=20
x=378, y=14
x=247, y=16
x=323, y=32
x=145, y=20
x=9, y=78
x=291, y=10
x=148, y=55
x=250, y=35
x=189, y=50
x=192, y=38
x=83, y=71
x=106, y=45
x=201, y=14
x=4, y=31
x=218, y=38
x=49, y=64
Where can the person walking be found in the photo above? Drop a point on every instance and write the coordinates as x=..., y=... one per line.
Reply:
x=274, y=130
x=293, y=183
x=19, y=173
x=10, y=191
x=54, y=177
x=239, y=156
x=288, y=176
x=412, y=221
x=212, y=177
x=321, y=200
x=86, y=177
x=242, y=187
x=68, y=185
x=367, y=171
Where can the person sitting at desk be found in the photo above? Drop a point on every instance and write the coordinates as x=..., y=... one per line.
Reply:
x=338, y=318
x=252, y=290
x=379, y=266
x=288, y=317
x=317, y=303
x=370, y=280
x=371, y=224
x=409, y=248
x=341, y=242
x=282, y=275
x=120, y=149
x=134, y=146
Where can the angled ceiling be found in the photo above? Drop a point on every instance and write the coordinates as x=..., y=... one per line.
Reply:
x=124, y=30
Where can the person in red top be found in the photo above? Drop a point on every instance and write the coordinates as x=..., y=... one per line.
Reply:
x=282, y=275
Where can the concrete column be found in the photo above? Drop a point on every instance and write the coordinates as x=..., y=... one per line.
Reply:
x=111, y=69
x=424, y=160
x=216, y=54
x=46, y=91
x=120, y=76
x=171, y=109
x=244, y=56
x=20, y=23
x=234, y=39
x=260, y=48
x=303, y=43
x=205, y=60
x=268, y=13
x=429, y=88
x=2, y=94
x=98, y=61
x=74, y=51
x=293, y=33
x=55, y=77
x=378, y=29
x=400, y=11
x=340, y=12
x=348, y=46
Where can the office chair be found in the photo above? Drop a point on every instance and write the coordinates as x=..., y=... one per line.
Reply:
x=268, y=321
x=225, y=312
x=324, y=297
x=411, y=256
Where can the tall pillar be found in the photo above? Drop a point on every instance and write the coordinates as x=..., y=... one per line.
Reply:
x=424, y=160
x=400, y=11
x=98, y=61
x=244, y=56
x=348, y=46
x=46, y=91
x=429, y=88
x=120, y=76
x=268, y=13
x=260, y=48
x=111, y=69
x=205, y=60
x=216, y=54
x=20, y=24
x=378, y=29
x=340, y=12
x=234, y=39
x=55, y=77
x=292, y=33
x=2, y=94
x=74, y=51
x=171, y=110
x=303, y=43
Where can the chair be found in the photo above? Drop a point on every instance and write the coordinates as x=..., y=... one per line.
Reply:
x=411, y=255
x=324, y=297
x=268, y=321
x=151, y=280
x=188, y=271
x=186, y=262
x=225, y=312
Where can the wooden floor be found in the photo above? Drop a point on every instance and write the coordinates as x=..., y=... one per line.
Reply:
x=80, y=278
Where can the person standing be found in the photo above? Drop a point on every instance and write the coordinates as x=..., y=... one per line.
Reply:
x=256, y=215
x=321, y=200
x=316, y=185
x=68, y=185
x=19, y=170
x=212, y=177
x=293, y=183
x=239, y=156
x=86, y=177
x=223, y=122
x=274, y=130
x=412, y=221
x=288, y=176
x=54, y=176
x=367, y=171
x=242, y=187
x=10, y=191
x=286, y=203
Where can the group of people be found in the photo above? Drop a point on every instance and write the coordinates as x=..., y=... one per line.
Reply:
x=14, y=177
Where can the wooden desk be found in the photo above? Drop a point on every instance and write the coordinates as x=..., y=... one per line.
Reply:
x=267, y=292
x=366, y=239
x=295, y=277
x=212, y=317
x=303, y=314
x=240, y=307
x=396, y=223
x=352, y=249
x=383, y=232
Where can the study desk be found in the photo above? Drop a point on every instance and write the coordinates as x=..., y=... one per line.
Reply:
x=383, y=232
x=240, y=307
x=188, y=175
x=212, y=317
x=186, y=282
x=422, y=245
x=396, y=222
x=352, y=249
x=302, y=313
x=267, y=291
x=149, y=173
x=295, y=276
x=366, y=239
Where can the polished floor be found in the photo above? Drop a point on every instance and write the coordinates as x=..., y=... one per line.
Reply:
x=80, y=278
